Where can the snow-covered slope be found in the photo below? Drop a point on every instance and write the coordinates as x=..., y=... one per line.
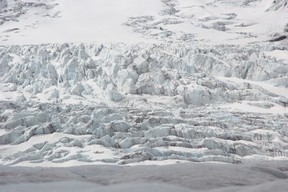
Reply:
x=26, y=22
x=210, y=21
x=214, y=22
x=209, y=82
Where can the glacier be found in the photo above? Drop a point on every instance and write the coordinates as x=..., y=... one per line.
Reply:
x=139, y=102
x=148, y=95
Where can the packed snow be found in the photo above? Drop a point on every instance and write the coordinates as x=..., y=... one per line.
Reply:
x=133, y=21
x=181, y=177
x=137, y=82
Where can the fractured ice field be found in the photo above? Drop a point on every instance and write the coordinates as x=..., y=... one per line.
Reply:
x=65, y=104
x=143, y=81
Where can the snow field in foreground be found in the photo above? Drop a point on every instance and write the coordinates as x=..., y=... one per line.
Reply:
x=183, y=177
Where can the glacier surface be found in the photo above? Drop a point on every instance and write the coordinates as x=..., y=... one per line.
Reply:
x=119, y=103
x=184, y=95
x=169, y=80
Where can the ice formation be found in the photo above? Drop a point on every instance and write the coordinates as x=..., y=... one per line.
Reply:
x=200, y=81
x=142, y=102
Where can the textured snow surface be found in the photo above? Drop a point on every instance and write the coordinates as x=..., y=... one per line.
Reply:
x=183, y=177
